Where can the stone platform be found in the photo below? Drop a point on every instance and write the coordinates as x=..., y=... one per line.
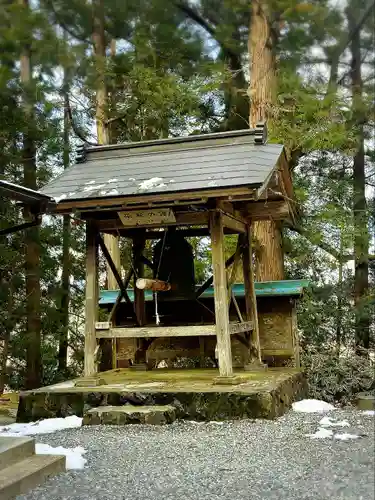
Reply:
x=195, y=394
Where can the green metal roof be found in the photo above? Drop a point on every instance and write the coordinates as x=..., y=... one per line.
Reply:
x=262, y=289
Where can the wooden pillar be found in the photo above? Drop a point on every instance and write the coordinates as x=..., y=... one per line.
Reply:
x=139, y=243
x=92, y=298
x=109, y=346
x=250, y=297
x=221, y=295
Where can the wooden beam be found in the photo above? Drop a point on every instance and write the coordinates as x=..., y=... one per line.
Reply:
x=136, y=201
x=138, y=265
x=114, y=271
x=263, y=210
x=221, y=295
x=92, y=298
x=278, y=352
x=170, y=331
x=182, y=219
x=250, y=297
x=233, y=223
x=112, y=243
x=238, y=310
x=120, y=295
x=236, y=224
x=190, y=232
x=139, y=243
x=236, y=262
x=246, y=326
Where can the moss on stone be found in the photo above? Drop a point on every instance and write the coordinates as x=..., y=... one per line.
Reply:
x=259, y=395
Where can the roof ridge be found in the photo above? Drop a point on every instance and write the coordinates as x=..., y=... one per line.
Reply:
x=259, y=133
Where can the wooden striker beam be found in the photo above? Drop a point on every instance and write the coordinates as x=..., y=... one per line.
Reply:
x=221, y=296
x=154, y=285
x=92, y=298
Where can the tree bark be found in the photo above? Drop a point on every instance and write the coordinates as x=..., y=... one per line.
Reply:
x=340, y=295
x=360, y=216
x=6, y=335
x=261, y=92
x=32, y=239
x=66, y=262
x=100, y=45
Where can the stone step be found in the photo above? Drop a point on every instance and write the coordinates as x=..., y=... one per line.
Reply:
x=28, y=473
x=15, y=449
x=123, y=415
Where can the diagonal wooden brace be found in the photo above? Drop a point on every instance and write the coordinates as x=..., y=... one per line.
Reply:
x=115, y=272
x=210, y=280
x=120, y=295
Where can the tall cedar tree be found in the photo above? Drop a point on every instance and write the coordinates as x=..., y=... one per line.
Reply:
x=360, y=215
x=32, y=240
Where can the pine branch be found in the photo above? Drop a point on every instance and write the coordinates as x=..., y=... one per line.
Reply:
x=324, y=246
x=193, y=14
x=64, y=25
x=75, y=127
x=343, y=44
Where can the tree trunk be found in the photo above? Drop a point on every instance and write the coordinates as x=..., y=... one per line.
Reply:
x=66, y=263
x=6, y=335
x=261, y=92
x=339, y=311
x=360, y=216
x=32, y=241
x=100, y=44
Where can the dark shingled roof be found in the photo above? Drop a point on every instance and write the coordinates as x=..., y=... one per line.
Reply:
x=209, y=162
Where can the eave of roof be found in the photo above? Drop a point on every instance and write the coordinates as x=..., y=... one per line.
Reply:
x=27, y=196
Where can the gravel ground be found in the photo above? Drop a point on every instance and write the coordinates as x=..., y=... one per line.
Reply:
x=239, y=460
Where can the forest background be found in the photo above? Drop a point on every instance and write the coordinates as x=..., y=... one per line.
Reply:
x=80, y=71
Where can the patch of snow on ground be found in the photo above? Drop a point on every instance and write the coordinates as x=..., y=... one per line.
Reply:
x=346, y=437
x=112, y=180
x=370, y=413
x=312, y=406
x=321, y=433
x=74, y=458
x=42, y=427
x=330, y=422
